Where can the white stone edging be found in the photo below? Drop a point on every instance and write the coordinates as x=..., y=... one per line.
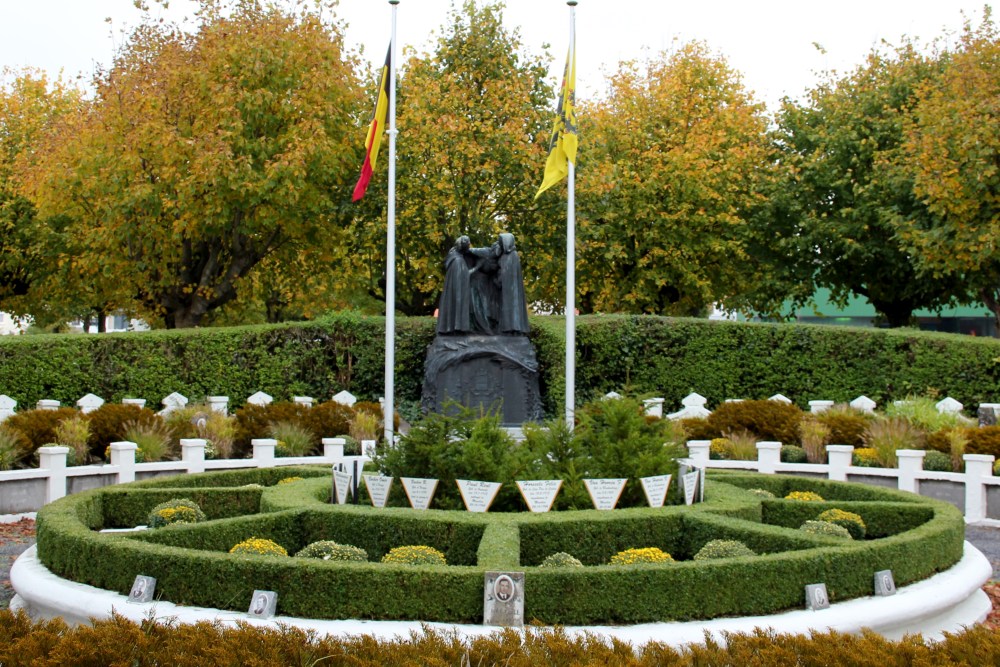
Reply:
x=946, y=602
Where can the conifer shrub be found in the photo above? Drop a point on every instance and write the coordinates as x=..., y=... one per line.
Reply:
x=698, y=428
x=847, y=425
x=178, y=510
x=984, y=440
x=854, y=524
x=768, y=420
x=723, y=549
x=560, y=559
x=938, y=461
x=111, y=422
x=254, y=421
x=37, y=427
x=794, y=454
x=825, y=528
x=328, y=419
x=330, y=550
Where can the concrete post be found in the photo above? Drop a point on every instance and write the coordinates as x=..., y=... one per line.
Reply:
x=839, y=457
x=910, y=463
x=698, y=451
x=263, y=451
x=193, y=454
x=333, y=448
x=53, y=459
x=977, y=467
x=219, y=404
x=654, y=407
x=768, y=456
x=303, y=400
x=816, y=407
x=123, y=456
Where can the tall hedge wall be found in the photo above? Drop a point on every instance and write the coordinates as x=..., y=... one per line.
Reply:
x=643, y=355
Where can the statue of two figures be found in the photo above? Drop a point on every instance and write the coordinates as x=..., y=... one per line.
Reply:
x=483, y=290
x=482, y=357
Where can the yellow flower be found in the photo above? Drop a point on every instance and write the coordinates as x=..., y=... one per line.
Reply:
x=414, y=555
x=805, y=496
x=258, y=546
x=638, y=556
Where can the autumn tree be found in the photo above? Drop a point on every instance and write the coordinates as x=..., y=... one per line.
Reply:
x=29, y=103
x=202, y=155
x=669, y=167
x=953, y=148
x=827, y=222
x=472, y=120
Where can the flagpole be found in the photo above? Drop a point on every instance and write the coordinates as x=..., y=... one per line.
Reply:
x=571, y=253
x=388, y=405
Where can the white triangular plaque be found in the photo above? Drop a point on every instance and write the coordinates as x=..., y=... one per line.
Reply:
x=605, y=492
x=690, y=486
x=419, y=491
x=378, y=489
x=477, y=496
x=539, y=494
x=655, y=489
x=341, y=485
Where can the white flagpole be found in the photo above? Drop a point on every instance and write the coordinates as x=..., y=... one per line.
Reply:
x=571, y=253
x=388, y=405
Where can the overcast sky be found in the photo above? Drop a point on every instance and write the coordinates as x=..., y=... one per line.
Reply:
x=770, y=41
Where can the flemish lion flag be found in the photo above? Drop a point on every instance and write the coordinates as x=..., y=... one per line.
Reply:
x=375, y=129
x=562, y=145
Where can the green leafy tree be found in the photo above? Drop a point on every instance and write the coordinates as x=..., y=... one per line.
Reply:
x=953, y=148
x=202, y=155
x=670, y=166
x=828, y=218
x=472, y=120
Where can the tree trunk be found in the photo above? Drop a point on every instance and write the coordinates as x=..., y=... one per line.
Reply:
x=102, y=321
x=896, y=313
x=991, y=297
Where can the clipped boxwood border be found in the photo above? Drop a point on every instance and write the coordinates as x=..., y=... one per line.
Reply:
x=192, y=569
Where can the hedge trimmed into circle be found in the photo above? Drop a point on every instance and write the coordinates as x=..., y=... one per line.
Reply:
x=913, y=536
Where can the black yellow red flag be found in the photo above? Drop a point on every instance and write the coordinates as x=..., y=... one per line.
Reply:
x=562, y=145
x=375, y=129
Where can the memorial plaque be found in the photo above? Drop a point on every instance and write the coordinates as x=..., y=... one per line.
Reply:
x=368, y=448
x=263, y=604
x=419, y=491
x=378, y=489
x=605, y=492
x=477, y=496
x=884, y=583
x=341, y=485
x=655, y=489
x=142, y=589
x=539, y=494
x=690, y=486
x=816, y=597
x=503, y=599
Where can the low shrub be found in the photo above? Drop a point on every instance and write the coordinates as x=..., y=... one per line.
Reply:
x=768, y=420
x=738, y=445
x=641, y=556
x=723, y=549
x=560, y=559
x=922, y=412
x=110, y=422
x=719, y=448
x=219, y=430
x=984, y=440
x=866, y=457
x=805, y=496
x=179, y=510
x=847, y=425
x=414, y=555
x=814, y=436
x=289, y=480
x=254, y=421
x=938, y=461
x=887, y=435
x=328, y=419
x=825, y=528
x=854, y=524
x=330, y=550
x=293, y=439
x=37, y=427
x=794, y=454
x=256, y=546
x=698, y=428
x=152, y=438
x=762, y=493
x=11, y=446
x=74, y=433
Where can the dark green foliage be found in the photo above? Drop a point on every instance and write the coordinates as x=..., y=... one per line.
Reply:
x=37, y=427
x=793, y=454
x=984, y=440
x=938, y=461
x=768, y=420
x=254, y=421
x=847, y=425
x=107, y=423
x=328, y=419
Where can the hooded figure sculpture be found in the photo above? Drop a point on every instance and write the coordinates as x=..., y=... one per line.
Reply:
x=456, y=298
x=513, y=308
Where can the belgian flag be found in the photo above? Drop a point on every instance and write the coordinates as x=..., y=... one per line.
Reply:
x=375, y=129
x=563, y=143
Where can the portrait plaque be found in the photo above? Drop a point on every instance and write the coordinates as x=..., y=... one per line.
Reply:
x=816, y=597
x=263, y=604
x=503, y=599
x=884, y=583
x=142, y=589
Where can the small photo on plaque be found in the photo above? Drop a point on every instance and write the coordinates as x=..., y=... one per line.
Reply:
x=884, y=583
x=503, y=599
x=142, y=589
x=263, y=604
x=816, y=597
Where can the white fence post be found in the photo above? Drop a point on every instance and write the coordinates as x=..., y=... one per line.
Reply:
x=193, y=454
x=219, y=404
x=977, y=468
x=263, y=451
x=654, y=407
x=47, y=404
x=910, y=464
x=698, y=451
x=89, y=403
x=303, y=400
x=138, y=402
x=53, y=459
x=816, y=407
x=333, y=448
x=123, y=456
x=840, y=458
x=768, y=456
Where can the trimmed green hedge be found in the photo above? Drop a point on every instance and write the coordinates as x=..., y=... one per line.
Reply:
x=651, y=355
x=192, y=567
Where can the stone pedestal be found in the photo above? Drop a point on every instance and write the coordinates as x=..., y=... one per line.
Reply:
x=483, y=373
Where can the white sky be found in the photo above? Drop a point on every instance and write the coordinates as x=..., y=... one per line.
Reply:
x=769, y=41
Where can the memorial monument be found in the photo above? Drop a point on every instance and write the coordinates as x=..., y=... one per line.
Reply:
x=481, y=357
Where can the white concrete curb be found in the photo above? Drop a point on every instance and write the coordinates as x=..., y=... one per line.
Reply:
x=946, y=602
